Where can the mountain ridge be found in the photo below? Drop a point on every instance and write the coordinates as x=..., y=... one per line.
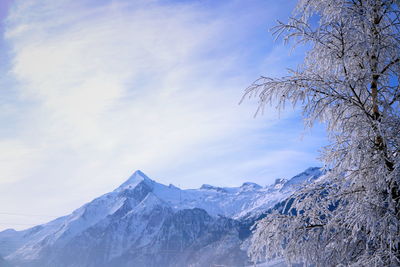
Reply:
x=141, y=217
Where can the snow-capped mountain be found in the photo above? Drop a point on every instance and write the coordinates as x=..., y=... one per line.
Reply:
x=145, y=223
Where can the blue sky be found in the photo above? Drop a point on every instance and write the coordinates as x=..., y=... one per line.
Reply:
x=93, y=90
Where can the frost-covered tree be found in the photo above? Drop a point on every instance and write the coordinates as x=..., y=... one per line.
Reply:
x=349, y=80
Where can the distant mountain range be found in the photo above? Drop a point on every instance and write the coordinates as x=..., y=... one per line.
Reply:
x=145, y=223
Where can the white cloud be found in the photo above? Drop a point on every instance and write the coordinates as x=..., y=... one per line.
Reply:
x=14, y=153
x=130, y=85
x=122, y=80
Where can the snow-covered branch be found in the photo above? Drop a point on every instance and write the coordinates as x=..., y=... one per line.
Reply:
x=350, y=81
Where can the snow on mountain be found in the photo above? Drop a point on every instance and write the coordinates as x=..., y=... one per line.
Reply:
x=148, y=223
x=309, y=175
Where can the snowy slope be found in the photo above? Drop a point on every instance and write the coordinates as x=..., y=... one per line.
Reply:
x=233, y=202
x=146, y=223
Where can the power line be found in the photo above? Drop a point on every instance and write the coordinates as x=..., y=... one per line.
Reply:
x=26, y=214
x=10, y=223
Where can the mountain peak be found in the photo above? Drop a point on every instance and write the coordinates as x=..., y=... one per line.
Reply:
x=308, y=175
x=136, y=178
x=251, y=185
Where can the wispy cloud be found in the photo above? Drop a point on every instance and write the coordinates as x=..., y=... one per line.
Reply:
x=102, y=89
